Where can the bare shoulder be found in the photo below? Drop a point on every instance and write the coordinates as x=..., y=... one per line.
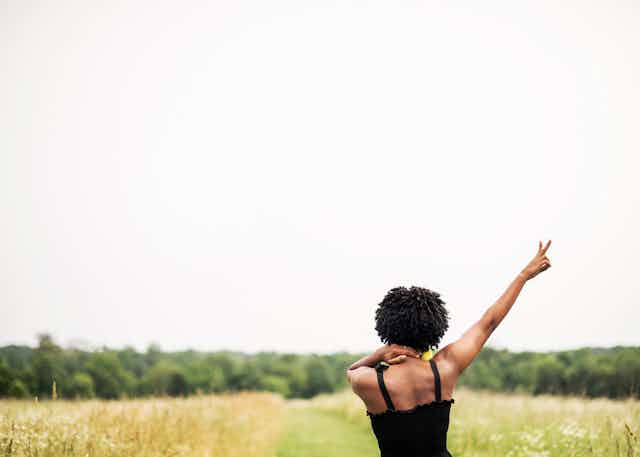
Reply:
x=447, y=368
x=362, y=379
x=443, y=356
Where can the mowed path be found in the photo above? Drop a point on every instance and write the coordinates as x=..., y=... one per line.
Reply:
x=312, y=432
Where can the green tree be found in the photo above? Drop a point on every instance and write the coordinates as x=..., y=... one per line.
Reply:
x=48, y=366
x=178, y=385
x=274, y=383
x=135, y=362
x=109, y=377
x=210, y=373
x=18, y=389
x=550, y=376
x=82, y=385
x=318, y=377
x=164, y=378
x=5, y=379
x=153, y=355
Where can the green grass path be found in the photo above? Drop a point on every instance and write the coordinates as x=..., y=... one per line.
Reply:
x=315, y=433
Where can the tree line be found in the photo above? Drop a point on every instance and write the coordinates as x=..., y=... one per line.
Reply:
x=50, y=370
x=592, y=372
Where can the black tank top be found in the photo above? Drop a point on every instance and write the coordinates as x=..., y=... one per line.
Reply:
x=417, y=432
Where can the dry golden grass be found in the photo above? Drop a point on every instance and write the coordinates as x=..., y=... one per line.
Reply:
x=244, y=424
x=488, y=424
x=250, y=424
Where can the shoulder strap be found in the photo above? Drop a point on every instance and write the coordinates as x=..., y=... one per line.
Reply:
x=436, y=377
x=379, y=368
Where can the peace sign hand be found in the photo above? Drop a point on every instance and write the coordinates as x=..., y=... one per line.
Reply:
x=539, y=263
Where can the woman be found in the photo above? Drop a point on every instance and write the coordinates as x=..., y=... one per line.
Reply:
x=408, y=397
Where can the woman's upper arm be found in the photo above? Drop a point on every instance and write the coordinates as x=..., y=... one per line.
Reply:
x=461, y=352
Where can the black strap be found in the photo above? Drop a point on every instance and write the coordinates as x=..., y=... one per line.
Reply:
x=436, y=377
x=379, y=367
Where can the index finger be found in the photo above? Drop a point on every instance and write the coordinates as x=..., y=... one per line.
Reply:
x=410, y=351
x=546, y=247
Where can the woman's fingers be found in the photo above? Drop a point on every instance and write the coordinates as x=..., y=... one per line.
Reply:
x=412, y=352
x=406, y=350
x=398, y=359
x=542, y=250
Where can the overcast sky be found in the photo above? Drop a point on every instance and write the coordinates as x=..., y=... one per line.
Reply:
x=256, y=175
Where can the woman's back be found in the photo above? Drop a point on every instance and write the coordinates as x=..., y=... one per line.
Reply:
x=415, y=417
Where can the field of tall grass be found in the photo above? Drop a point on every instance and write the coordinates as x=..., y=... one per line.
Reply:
x=503, y=425
x=252, y=424
x=234, y=425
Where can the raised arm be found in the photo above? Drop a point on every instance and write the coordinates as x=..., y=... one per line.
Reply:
x=462, y=352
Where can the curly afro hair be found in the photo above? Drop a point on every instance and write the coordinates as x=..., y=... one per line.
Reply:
x=414, y=317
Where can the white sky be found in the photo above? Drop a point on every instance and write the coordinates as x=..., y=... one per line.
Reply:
x=256, y=175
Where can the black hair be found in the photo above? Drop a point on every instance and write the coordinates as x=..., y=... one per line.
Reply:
x=414, y=317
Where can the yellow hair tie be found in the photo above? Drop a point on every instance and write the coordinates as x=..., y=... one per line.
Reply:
x=426, y=355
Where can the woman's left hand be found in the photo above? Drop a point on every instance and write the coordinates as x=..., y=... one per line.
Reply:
x=390, y=353
x=395, y=353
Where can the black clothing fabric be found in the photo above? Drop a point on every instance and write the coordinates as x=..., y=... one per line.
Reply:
x=417, y=432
